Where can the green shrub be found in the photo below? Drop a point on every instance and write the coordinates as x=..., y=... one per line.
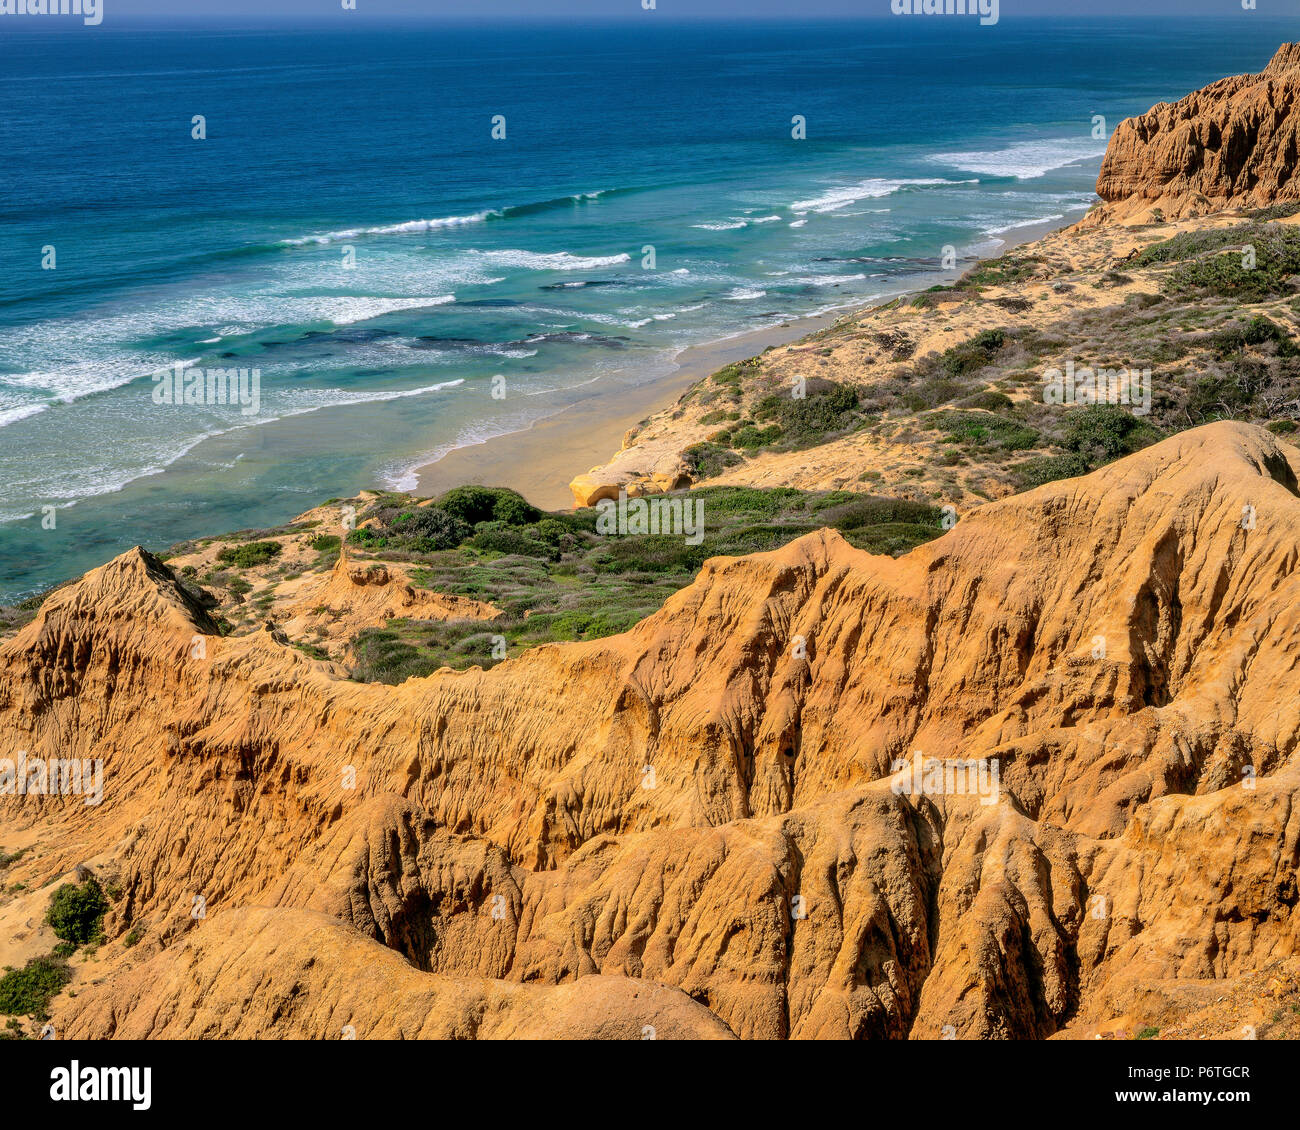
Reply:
x=1211, y=261
x=1274, y=212
x=812, y=419
x=1258, y=331
x=28, y=991
x=652, y=554
x=1049, y=469
x=876, y=511
x=998, y=272
x=473, y=504
x=554, y=532
x=570, y=625
x=1214, y=397
x=325, y=542
x=757, y=502
x=973, y=355
x=1102, y=432
x=732, y=375
x=382, y=657
x=750, y=436
x=704, y=460
x=250, y=554
x=989, y=401
x=1190, y=244
x=510, y=541
x=985, y=429
x=76, y=912
x=430, y=529
x=930, y=393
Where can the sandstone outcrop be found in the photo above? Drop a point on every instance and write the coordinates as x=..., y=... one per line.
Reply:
x=711, y=806
x=639, y=468
x=1232, y=144
x=356, y=595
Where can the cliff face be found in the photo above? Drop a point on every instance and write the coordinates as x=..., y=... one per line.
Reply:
x=703, y=808
x=1232, y=144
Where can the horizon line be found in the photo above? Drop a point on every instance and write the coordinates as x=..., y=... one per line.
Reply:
x=213, y=19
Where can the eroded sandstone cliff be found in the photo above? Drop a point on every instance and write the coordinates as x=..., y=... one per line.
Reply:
x=698, y=826
x=1232, y=144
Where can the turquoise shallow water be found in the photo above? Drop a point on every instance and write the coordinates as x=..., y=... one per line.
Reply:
x=476, y=258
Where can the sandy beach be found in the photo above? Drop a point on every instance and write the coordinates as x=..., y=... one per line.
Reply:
x=541, y=460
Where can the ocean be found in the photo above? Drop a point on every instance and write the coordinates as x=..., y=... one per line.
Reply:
x=350, y=228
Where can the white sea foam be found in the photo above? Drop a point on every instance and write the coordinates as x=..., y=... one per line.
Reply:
x=13, y=415
x=869, y=189
x=74, y=484
x=1025, y=160
x=76, y=380
x=1024, y=223
x=826, y=280
x=405, y=228
x=551, y=261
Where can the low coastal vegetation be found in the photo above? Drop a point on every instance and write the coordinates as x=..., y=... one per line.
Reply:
x=556, y=579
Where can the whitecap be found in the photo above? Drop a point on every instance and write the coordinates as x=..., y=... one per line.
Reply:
x=1026, y=160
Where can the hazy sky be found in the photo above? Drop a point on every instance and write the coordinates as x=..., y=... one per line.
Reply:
x=570, y=10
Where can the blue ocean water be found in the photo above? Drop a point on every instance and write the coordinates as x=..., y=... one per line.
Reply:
x=474, y=257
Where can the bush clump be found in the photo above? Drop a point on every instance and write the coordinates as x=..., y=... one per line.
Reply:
x=76, y=912
x=473, y=504
x=808, y=421
x=973, y=355
x=430, y=528
x=29, y=990
x=983, y=429
x=1102, y=432
x=250, y=554
x=505, y=540
x=704, y=460
x=1049, y=469
x=1258, y=331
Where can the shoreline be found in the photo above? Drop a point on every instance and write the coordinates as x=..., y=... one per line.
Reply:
x=540, y=461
